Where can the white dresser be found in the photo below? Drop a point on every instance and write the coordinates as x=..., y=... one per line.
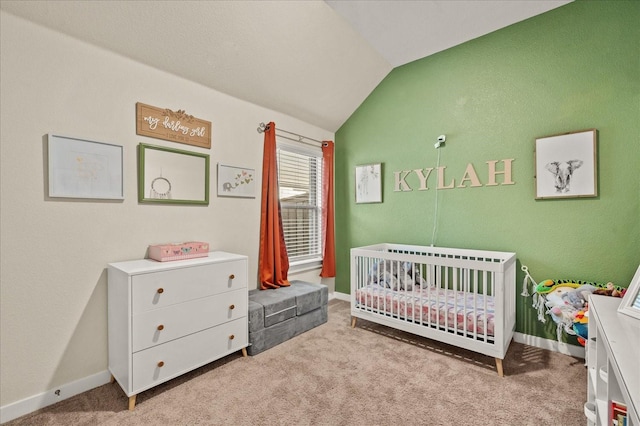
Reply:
x=167, y=318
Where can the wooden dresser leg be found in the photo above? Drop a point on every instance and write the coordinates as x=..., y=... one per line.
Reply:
x=244, y=352
x=132, y=402
x=499, y=367
x=353, y=322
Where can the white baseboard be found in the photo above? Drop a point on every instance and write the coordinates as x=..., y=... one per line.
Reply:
x=341, y=296
x=36, y=402
x=552, y=345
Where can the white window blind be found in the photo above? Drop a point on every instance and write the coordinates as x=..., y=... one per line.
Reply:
x=300, y=182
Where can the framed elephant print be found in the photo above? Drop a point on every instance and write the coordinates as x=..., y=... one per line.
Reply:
x=236, y=182
x=566, y=165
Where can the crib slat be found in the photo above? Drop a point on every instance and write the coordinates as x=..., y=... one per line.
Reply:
x=485, y=299
x=466, y=273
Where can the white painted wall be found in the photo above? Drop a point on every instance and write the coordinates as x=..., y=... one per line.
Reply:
x=54, y=253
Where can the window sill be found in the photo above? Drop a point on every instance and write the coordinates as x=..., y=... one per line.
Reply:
x=305, y=265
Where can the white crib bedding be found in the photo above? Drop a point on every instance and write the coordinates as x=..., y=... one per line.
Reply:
x=463, y=312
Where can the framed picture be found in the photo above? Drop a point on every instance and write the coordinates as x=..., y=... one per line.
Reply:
x=369, y=183
x=630, y=304
x=172, y=176
x=80, y=168
x=236, y=182
x=566, y=165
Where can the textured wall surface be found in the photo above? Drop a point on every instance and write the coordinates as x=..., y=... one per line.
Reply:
x=55, y=252
x=569, y=69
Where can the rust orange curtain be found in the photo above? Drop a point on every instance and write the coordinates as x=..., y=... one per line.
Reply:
x=273, y=263
x=328, y=230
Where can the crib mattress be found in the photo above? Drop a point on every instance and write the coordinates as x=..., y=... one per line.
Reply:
x=457, y=311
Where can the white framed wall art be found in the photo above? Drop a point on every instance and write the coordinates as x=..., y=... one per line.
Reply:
x=369, y=183
x=236, y=181
x=566, y=165
x=81, y=168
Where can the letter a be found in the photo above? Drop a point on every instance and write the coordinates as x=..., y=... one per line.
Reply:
x=470, y=174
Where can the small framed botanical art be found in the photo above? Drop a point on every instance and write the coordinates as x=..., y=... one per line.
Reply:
x=566, y=165
x=172, y=176
x=369, y=183
x=80, y=168
x=236, y=182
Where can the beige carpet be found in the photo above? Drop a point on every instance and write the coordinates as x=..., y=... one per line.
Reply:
x=336, y=375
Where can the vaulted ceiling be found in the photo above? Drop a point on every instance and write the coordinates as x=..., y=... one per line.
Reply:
x=314, y=60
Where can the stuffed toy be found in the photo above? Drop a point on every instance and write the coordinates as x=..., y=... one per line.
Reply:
x=581, y=326
x=396, y=275
x=578, y=297
x=559, y=303
x=610, y=290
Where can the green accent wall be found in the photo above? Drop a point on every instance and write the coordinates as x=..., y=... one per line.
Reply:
x=573, y=68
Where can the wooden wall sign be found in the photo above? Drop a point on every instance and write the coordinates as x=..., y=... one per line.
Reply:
x=174, y=126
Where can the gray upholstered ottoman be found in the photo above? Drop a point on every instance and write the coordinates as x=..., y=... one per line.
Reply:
x=278, y=315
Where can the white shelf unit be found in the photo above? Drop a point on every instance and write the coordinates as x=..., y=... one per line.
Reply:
x=613, y=362
x=168, y=318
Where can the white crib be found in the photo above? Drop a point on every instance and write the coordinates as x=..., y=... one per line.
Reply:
x=461, y=297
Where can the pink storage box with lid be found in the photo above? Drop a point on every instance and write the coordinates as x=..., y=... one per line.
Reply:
x=178, y=251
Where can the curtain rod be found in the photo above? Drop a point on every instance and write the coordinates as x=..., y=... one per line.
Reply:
x=300, y=138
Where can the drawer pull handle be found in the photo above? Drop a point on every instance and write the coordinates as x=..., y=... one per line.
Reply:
x=161, y=290
x=231, y=276
x=160, y=327
x=161, y=364
x=232, y=306
x=232, y=337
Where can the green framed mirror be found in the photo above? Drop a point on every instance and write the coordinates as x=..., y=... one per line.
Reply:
x=172, y=176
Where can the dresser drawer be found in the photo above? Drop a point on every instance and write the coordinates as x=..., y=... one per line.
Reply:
x=158, y=326
x=159, y=289
x=163, y=362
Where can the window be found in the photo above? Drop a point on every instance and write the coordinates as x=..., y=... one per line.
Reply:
x=300, y=181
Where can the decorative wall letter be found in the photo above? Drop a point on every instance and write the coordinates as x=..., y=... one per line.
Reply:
x=470, y=174
x=441, y=179
x=507, y=172
x=423, y=178
x=400, y=184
